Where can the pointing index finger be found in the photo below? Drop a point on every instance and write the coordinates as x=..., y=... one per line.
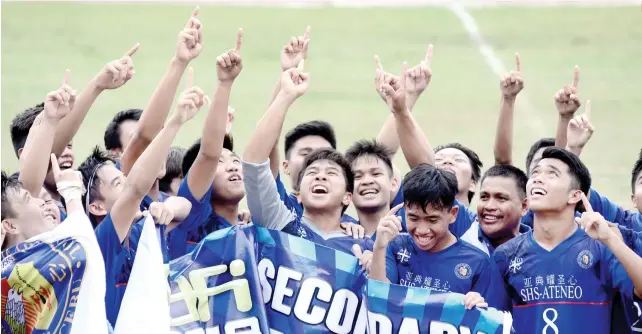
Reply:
x=378, y=62
x=196, y=11
x=396, y=209
x=356, y=249
x=404, y=74
x=428, y=57
x=306, y=35
x=518, y=62
x=576, y=76
x=586, y=203
x=133, y=50
x=65, y=79
x=239, y=40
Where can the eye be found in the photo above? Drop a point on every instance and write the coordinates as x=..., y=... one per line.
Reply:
x=237, y=161
x=552, y=173
x=357, y=176
x=459, y=160
x=377, y=174
x=332, y=172
x=483, y=197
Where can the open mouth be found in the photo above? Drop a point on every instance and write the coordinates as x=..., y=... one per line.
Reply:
x=368, y=192
x=319, y=189
x=66, y=164
x=488, y=218
x=423, y=240
x=538, y=192
x=235, y=178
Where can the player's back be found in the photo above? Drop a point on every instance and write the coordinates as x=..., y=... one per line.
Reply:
x=566, y=290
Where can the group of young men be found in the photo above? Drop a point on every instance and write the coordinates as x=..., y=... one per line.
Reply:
x=542, y=244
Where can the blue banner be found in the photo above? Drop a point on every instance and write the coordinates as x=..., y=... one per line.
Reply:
x=40, y=285
x=253, y=280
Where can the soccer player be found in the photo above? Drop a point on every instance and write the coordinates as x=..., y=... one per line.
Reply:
x=113, y=201
x=326, y=179
x=213, y=175
x=120, y=131
x=560, y=277
x=501, y=205
x=429, y=255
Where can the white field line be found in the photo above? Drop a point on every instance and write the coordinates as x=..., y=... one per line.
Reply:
x=523, y=105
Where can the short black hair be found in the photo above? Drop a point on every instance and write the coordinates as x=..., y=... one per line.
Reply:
x=336, y=157
x=173, y=168
x=542, y=143
x=192, y=152
x=426, y=185
x=580, y=175
x=637, y=169
x=312, y=128
x=509, y=171
x=21, y=124
x=112, y=133
x=475, y=163
x=9, y=183
x=88, y=169
x=363, y=148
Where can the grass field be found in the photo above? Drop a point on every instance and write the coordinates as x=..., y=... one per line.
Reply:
x=39, y=41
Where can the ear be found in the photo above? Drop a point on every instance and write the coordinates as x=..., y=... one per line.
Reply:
x=524, y=206
x=20, y=152
x=395, y=186
x=97, y=209
x=454, y=211
x=473, y=186
x=575, y=197
x=9, y=227
x=298, y=197
x=635, y=205
x=285, y=167
x=347, y=198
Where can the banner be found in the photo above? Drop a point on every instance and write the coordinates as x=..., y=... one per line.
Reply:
x=253, y=280
x=55, y=282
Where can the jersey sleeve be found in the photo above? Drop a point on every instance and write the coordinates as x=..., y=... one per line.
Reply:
x=609, y=210
x=391, y=265
x=614, y=275
x=263, y=199
x=200, y=210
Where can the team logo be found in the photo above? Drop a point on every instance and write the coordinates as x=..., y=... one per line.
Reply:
x=403, y=256
x=515, y=264
x=585, y=259
x=463, y=271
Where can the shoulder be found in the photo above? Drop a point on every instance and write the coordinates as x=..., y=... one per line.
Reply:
x=513, y=245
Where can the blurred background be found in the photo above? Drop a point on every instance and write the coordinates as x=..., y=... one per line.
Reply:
x=473, y=45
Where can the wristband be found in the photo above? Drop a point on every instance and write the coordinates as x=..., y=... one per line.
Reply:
x=71, y=190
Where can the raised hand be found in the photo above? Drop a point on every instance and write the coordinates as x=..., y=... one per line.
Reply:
x=59, y=102
x=229, y=64
x=295, y=51
x=580, y=129
x=118, y=72
x=66, y=177
x=388, y=228
x=512, y=83
x=594, y=224
x=566, y=100
x=420, y=75
x=190, y=39
x=382, y=77
x=190, y=101
x=162, y=214
x=396, y=97
x=294, y=82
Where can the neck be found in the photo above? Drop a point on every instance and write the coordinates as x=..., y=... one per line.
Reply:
x=326, y=221
x=229, y=211
x=500, y=240
x=370, y=219
x=449, y=240
x=552, y=227
x=13, y=240
x=463, y=198
x=154, y=192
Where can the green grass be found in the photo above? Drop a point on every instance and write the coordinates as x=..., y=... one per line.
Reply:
x=39, y=41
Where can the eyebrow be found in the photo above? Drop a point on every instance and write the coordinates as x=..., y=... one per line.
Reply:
x=113, y=181
x=555, y=168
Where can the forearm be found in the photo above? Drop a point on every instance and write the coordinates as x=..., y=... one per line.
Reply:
x=630, y=261
x=180, y=206
x=378, y=268
x=388, y=134
x=268, y=130
x=215, y=122
x=69, y=125
x=560, y=134
x=504, y=133
x=413, y=141
x=36, y=154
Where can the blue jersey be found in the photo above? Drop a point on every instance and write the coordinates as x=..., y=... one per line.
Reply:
x=268, y=210
x=292, y=203
x=476, y=237
x=566, y=290
x=609, y=210
x=460, y=268
x=119, y=260
x=627, y=314
x=462, y=223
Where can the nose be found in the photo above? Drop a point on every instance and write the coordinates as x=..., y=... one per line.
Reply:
x=367, y=179
x=232, y=167
x=490, y=205
x=320, y=177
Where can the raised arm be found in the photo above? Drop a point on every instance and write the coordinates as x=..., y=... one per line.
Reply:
x=414, y=144
x=114, y=75
x=34, y=160
x=201, y=174
x=294, y=83
x=143, y=173
x=579, y=131
x=510, y=85
x=189, y=46
x=417, y=81
x=567, y=102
